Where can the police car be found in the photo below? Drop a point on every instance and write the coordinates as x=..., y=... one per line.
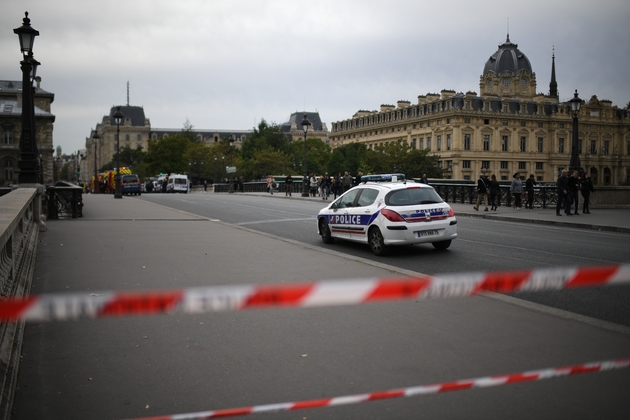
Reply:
x=385, y=210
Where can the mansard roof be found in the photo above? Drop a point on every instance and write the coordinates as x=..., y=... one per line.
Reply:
x=136, y=113
x=296, y=118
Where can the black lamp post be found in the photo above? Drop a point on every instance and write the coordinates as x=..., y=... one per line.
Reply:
x=223, y=174
x=95, y=137
x=231, y=190
x=28, y=147
x=215, y=169
x=118, y=117
x=305, y=124
x=574, y=164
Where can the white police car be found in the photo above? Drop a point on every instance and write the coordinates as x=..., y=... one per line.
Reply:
x=386, y=210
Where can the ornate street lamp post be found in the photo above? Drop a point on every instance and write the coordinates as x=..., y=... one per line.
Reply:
x=231, y=190
x=305, y=124
x=95, y=137
x=574, y=164
x=27, y=162
x=118, y=117
x=215, y=170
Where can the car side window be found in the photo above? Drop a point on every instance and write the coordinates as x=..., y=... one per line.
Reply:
x=367, y=197
x=348, y=199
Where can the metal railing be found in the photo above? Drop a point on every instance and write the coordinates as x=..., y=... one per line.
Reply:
x=544, y=196
x=64, y=201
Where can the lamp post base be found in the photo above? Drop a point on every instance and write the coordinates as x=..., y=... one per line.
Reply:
x=117, y=195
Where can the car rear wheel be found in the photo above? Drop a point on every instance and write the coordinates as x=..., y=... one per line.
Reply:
x=324, y=230
x=377, y=244
x=442, y=244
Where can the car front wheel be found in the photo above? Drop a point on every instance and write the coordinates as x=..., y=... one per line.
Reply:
x=377, y=244
x=442, y=244
x=324, y=230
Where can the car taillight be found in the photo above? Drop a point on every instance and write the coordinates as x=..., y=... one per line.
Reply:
x=392, y=216
x=451, y=213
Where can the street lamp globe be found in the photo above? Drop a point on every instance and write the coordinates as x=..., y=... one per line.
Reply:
x=27, y=35
x=574, y=163
x=576, y=102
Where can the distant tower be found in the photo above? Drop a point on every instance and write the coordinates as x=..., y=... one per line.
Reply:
x=553, y=86
x=127, y=92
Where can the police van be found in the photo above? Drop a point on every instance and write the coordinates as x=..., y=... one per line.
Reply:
x=177, y=183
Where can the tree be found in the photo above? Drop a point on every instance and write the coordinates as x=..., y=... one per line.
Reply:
x=168, y=155
x=346, y=158
x=263, y=137
x=267, y=162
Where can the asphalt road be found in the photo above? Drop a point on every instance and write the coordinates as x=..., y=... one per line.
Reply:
x=482, y=245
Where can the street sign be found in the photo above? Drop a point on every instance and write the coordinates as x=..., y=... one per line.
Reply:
x=230, y=169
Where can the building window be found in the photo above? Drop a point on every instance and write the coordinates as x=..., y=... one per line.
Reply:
x=485, y=164
x=428, y=123
x=486, y=142
x=115, y=148
x=580, y=146
x=421, y=143
x=466, y=164
x=466, y=120
x=523, y=144
x=448, y=142
x=523, y=124
x=593, y=149
x=540, y=166
x=540, y=144
x=439, y=122
x=139, y=137
x=606, y=148
x=448, y=121
x=522, y=166
x=505, y=121
x=439, y=143
x=115, y=137
x=429, y=143
x=504, y=164
x=561, y=125
x=8, y=170
x=440, y=164
x=413, y=143
x=504, y=143
x=540, y=125
x=561, y=145
x=449, y=165
x=467, y=142
x=468, y=106
x=127, y=137
x=486, y=121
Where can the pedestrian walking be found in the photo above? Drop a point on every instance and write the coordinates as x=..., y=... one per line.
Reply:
x=357, y=179
x=288, y=185
x=346, y=181
x=529, y=188
x=424, y=179
x=336, y=185
x=325, y=186
x=164, y=184
x=271, y=184
x=516, y=188
x=574, y=190
x=495, y=191
x=205, y=185
x=563, y=199
x=482, y=193
x=587, y=188
x=313, y=185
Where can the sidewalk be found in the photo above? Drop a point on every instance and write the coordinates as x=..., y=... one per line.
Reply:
x=615, y=220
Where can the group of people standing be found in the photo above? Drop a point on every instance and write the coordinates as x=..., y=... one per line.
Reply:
x=322, y=186
x=568, y=192
x=569, y=189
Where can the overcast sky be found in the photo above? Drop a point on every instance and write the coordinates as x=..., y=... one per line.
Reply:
x=227, y=64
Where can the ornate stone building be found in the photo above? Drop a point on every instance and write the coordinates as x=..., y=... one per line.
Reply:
x=294, y=128
x=11, y=129
x=136, y=131
x=506, y=128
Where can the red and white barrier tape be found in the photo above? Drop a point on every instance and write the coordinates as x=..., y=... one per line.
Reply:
x=484, y=382
x=323, y=293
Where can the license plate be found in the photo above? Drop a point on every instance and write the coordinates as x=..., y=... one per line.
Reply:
x=425, y=233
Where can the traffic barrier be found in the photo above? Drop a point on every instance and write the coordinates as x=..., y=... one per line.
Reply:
x=484, y=382
x=57, y=307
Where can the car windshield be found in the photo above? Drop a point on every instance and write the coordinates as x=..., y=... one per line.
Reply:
x=180, y=181
x=130, y=178
x=412, y=196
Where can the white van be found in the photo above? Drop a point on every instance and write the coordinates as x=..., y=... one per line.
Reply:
x=177, y=183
